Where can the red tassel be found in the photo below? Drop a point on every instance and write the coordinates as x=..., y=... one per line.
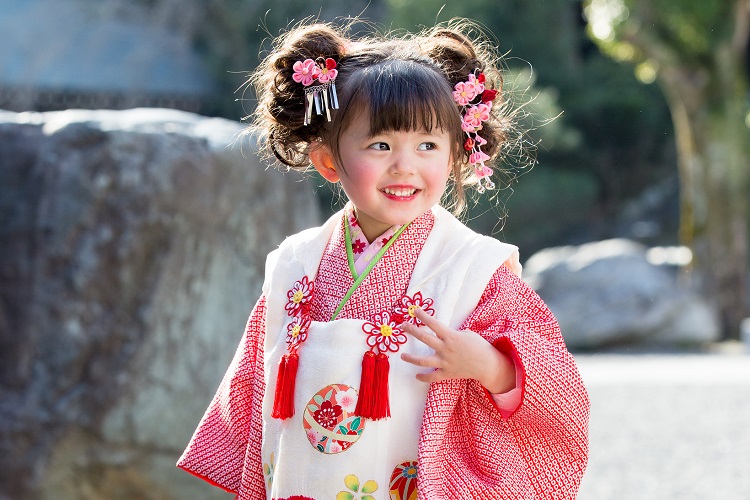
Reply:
x=373, y=389
x=283, y=399
x=365, y=399
x=381, y=407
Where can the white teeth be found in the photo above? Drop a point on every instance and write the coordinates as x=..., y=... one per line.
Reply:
x=399, y=192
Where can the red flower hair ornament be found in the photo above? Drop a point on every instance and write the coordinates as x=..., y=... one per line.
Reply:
x=476, y=104
x=323, y=96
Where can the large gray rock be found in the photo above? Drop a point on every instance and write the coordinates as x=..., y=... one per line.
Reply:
x=608, y=293
x=132, y=247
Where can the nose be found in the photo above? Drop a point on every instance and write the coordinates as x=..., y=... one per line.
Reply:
x=403, y=163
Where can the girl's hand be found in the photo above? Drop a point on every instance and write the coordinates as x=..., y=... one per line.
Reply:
x=459, y=354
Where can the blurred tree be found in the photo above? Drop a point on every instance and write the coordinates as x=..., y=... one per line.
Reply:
x=697, y=51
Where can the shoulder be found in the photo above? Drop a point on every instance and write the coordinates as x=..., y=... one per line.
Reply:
x=459, y=239
x=304, y=248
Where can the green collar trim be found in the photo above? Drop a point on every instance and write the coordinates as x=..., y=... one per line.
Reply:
x=358, y=279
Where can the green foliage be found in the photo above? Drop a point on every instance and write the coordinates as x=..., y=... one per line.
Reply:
x=610, y=138
x=690, y=29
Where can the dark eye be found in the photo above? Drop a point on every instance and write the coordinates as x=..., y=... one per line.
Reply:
x=427, y=146
x=380, y=146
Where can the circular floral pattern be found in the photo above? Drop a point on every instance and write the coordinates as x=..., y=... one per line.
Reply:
x=329, y=420
x=403, y=485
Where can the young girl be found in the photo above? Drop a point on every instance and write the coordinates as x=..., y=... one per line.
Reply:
x=394, y=353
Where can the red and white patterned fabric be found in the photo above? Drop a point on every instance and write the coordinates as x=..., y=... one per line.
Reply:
x=364, y=251
x=468, y=447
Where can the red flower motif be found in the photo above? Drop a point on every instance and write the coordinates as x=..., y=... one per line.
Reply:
x=296, y=331
x=299, y=297
x=328, y=71
x=384, y=241
x=327, y=414
x=383, y=333
x=358, y=246
x=405, y=310
x=489, y=95
x=353, y=221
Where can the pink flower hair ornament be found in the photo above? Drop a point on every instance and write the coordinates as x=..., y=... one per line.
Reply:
x=476, y=104
x=323, y=96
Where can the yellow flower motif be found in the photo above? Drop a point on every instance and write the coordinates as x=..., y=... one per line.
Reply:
x=352, y=483
x=411, y=310
x=298, y=296
x=386, y=330
x=268, y=470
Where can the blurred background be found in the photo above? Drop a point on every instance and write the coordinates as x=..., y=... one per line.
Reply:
x=135, y=220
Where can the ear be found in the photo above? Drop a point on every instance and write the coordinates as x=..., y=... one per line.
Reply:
x=321, y=157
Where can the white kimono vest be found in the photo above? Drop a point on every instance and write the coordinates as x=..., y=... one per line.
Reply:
x=324, y=451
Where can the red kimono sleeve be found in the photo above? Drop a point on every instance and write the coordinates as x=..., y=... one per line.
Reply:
x=469, y=449
x=225, y=448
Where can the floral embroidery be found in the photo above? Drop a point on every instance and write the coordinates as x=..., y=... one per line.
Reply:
x=268, y=470
x=299, y=297
x=296, y=331
x=403, y=485
x=358, y=246
x=405, y=310
x=314, y=436
x=329, y=420
x=327, y=413
x=352, y=484
x=347, y=399
x=384, y=333
x=384, y=241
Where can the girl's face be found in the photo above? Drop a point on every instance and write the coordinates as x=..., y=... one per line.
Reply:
x=393, y=177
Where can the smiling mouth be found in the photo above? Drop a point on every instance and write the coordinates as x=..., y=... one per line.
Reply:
x=400, y=192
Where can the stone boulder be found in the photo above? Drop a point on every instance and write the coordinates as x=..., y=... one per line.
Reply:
x=132, y=247
x=608, y=293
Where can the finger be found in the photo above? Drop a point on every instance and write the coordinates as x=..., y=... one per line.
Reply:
x=433, y=376
x=433, y=324
x=423, y=335
x=423, y=361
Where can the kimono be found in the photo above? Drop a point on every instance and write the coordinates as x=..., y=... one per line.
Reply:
x=447, y=440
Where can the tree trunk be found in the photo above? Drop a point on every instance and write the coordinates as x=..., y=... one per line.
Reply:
x=713, y=149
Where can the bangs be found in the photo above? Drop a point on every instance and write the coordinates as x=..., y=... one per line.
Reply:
x=404, y=96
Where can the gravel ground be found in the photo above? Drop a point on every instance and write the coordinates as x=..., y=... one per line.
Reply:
x=668, y=427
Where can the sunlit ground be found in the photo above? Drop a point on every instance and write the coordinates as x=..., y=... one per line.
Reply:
x=668, y=427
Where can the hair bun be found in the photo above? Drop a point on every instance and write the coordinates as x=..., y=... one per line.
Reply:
x=281, y=100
